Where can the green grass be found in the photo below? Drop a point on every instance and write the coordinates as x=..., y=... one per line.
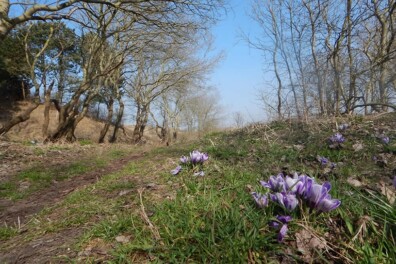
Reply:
x=209, y=219
x=38, y=177
x=213, y=219
x=7, y=232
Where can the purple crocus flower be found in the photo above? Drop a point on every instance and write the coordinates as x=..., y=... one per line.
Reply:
x=323, y=161
x=394, y=181
x=318, y=198
x=295, y=184
x=183, y=159
x=286, y=200
x=385, y=140
x=260, y=199
x=195, y=157
x=327, y=204
x=316, y=193
x=337, y=138
x=275, y=183
x=282, y=219
x=282, y=233
x=176, y=170
x=306, y=185
x=204, y=157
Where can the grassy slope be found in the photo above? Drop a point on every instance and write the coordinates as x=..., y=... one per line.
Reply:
x=144, y=214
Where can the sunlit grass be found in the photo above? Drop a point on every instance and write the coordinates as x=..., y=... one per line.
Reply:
x=213, y=219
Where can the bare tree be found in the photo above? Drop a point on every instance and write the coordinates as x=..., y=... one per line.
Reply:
x=335, y=55
x=147, y=11
x=238, y=119
x=32, y=60
x=202, y=112
x=112, y=33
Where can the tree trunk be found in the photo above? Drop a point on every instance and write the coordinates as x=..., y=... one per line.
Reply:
x=141, y=122
x=105, y=128
x=61, y=82
x=278, y=78
x=22, y=117
x=117, y=124
x=69, y=117
x=313, y=18
x=382, y=88
x=5, y=26
x=47, y=107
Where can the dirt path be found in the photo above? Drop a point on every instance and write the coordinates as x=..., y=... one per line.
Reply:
x=43, y=249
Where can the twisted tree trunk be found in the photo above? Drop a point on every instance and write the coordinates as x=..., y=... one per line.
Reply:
x=105, y=128
x=22, y=117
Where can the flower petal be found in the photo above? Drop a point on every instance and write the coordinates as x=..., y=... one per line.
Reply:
x=176, y=170
x=328, y=204
x=282, y=233
x=284, y=218
x=261, y=199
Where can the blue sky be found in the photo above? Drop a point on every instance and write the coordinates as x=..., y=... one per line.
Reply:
x=240, y=75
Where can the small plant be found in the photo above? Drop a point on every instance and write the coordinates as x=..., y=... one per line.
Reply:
x=336, y=140
x=326, y=163
x=384, y=139
x=194, y=162
x=85, y=142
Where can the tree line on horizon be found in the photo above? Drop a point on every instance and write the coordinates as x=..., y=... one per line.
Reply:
x=327, y=57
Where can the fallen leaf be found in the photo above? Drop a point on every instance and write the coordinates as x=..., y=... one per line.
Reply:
x=124, y=192
x=357, y=147
x=298, y=147
x=354, y=182
x=123, y=239
x=249, y=188
x=307, y=243
x=388, y=192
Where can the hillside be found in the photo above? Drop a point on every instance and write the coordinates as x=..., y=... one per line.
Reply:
x=87, y=129
x=122, y=205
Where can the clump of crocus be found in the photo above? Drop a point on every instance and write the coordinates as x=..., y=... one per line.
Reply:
x=194, y=161
x=337, y=138
x=290, y=191
x=197, y=157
